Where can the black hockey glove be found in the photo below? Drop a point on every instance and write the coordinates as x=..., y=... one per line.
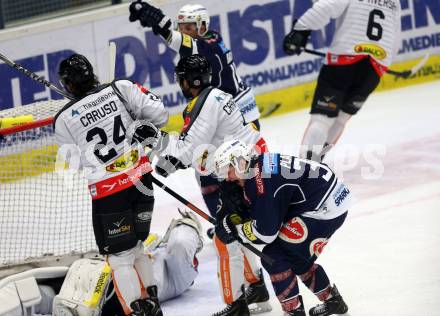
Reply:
x=295, y=41
x=167, y=165
x=136, y=8
x=226, y=229
x=148, y=15
x=148, y=135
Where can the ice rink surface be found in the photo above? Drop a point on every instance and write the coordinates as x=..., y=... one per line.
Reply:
x=385, y=258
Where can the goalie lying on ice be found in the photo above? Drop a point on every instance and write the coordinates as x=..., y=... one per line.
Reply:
x=86, y=287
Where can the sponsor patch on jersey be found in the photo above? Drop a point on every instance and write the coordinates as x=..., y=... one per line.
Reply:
x=248, y=232
x=259, y=181
x=340, y=194
x=125, y=161
x=270, y=163
x=294, y=231
x=186, y=41
x=317, y=246
x=371, y=49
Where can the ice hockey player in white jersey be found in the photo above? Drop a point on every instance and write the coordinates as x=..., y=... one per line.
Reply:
x=210, y=118
x=86, y=287
x=193, y=36
x=292, y=206
x=91, y=130
x=365, y=43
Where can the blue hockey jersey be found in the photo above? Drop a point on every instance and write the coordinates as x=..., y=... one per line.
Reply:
x=284, y=187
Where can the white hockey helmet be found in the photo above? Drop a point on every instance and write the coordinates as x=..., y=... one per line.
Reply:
x=231, y=153
x=194, y=13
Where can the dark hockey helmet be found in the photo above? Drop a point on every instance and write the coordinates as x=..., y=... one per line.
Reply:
x=76, y=75
x=195, y=69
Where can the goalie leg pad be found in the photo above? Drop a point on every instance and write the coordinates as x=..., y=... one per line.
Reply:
x=84, y=289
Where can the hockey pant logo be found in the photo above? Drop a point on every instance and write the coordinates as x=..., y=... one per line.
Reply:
x=317, y=246
x=294, y=231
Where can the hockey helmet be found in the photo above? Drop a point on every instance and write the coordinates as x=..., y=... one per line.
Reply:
x=195, y=69
x=231, y=153
x=76, y=75
x=194, y=13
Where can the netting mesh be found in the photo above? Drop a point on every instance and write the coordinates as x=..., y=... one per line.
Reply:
x=42, y=212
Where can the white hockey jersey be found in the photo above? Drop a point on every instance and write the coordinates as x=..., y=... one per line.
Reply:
x=218, y=120
x=363, y=27
x=96, y=126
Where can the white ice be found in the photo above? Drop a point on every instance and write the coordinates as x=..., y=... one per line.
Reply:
x=385, y=258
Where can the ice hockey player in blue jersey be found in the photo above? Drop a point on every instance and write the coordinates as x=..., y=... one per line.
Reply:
x=292, y=206
x=193, y=36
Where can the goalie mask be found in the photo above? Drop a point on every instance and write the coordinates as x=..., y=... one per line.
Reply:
x=76, y=75
x=233, y=153
x=194, y=13
x=196, y=70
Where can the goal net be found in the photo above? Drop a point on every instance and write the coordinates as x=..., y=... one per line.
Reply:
x=43, y=214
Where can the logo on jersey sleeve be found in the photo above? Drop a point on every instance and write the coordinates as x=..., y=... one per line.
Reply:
x=270, y=163
x=259, y=181
x=294, y=231
x=371, y=49
x=317, y=246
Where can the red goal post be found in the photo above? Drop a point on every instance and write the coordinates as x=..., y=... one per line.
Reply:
x=43, y=214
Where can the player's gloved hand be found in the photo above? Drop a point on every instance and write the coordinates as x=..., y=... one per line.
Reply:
x=167, y=165
x=148, y=15
x=295, y=41
x=226, y=229
x=145, y=133
x=136, y=9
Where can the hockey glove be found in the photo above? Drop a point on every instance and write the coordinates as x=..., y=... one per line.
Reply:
x=149, y=16
x=225, y=229
x=136, y=8
x=295, y=41
x=167, y=165
x=148, y=135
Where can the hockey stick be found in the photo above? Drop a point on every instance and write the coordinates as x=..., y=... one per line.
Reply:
x=210, y=219
x=404, y=74
x=112, y=61
x=34, y=76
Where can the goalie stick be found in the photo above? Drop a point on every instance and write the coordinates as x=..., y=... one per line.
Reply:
x=404, y=73
x=34, y=76
x=210, y=219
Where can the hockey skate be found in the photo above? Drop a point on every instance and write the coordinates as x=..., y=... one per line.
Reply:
x=257, y=297
x=238, y=308
x=299, y=311
x=149, y=306
x=334, y=305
